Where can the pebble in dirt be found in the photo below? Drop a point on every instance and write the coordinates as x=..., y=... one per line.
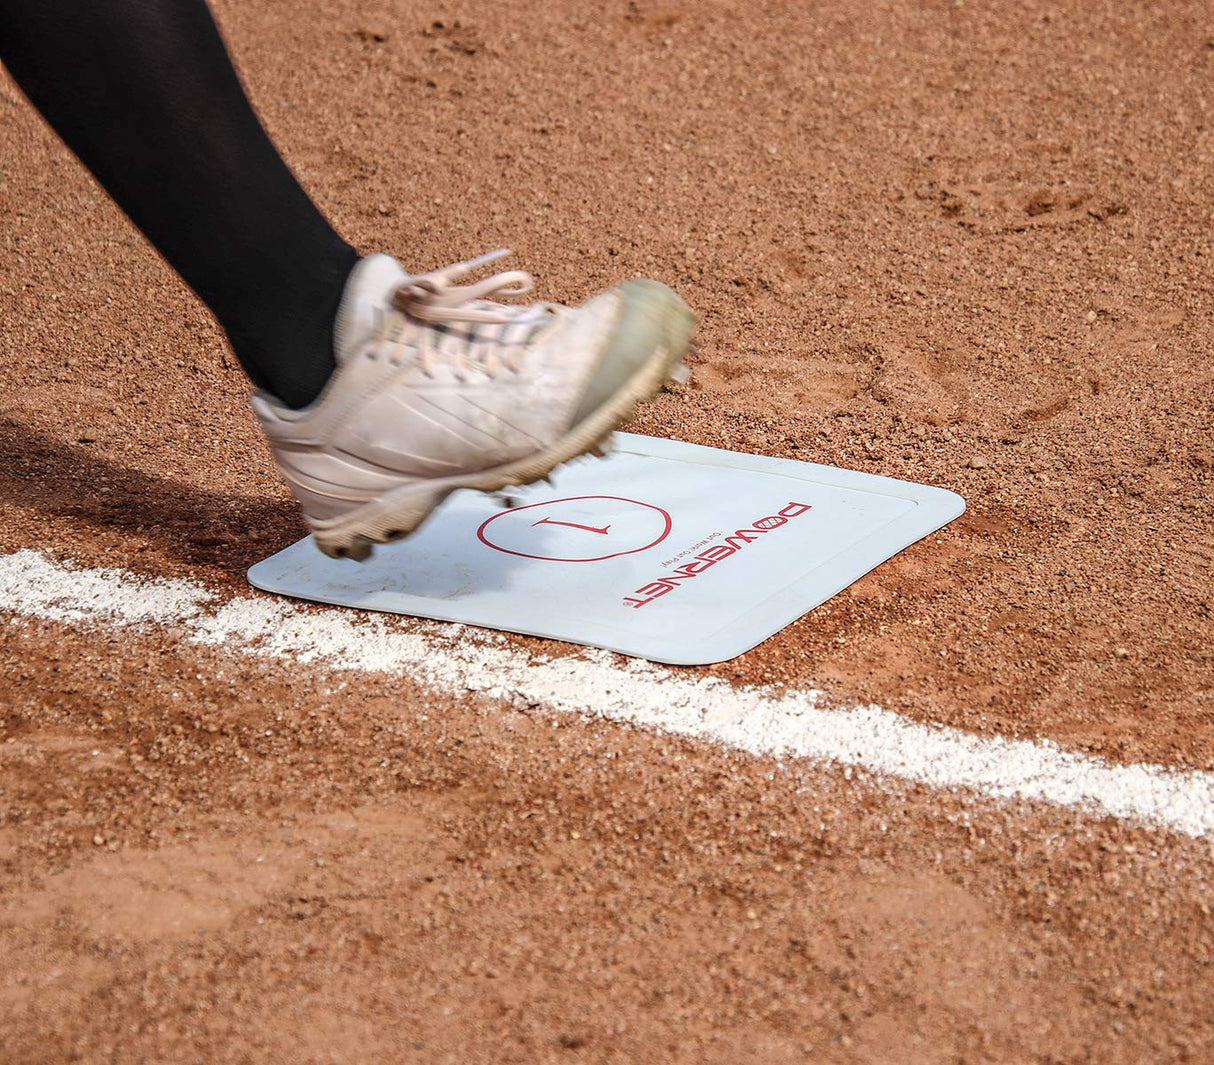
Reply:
x=664, y=550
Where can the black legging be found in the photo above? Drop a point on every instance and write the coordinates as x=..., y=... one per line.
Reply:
x=144, y=93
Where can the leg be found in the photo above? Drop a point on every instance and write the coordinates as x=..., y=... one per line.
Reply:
x=431, y=387
x=144, y=93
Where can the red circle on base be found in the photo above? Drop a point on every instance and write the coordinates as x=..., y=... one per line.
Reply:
x=668, y=523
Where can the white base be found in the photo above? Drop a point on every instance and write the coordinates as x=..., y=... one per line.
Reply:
x=664, y=550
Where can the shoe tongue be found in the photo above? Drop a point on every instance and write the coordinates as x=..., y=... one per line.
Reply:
x=367, y=295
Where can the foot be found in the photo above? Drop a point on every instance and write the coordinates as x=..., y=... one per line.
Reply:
x=439, y=388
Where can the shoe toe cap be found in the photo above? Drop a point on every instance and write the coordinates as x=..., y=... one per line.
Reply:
x=651, y=322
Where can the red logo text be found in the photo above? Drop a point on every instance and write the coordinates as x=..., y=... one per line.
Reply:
x=714, y=555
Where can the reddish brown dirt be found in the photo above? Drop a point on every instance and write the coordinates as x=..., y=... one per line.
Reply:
x=959, y=243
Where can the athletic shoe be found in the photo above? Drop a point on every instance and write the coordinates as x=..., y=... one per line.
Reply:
x=437, y=387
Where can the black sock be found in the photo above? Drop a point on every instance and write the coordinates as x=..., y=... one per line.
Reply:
x=144, y=93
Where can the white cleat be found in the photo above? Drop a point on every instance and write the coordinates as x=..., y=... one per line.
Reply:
x=437, y=388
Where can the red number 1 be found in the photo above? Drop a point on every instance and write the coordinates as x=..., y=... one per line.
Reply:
x=572, y=525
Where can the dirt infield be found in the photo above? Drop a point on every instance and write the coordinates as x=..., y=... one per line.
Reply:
x=953, y=242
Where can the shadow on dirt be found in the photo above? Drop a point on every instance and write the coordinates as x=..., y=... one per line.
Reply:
x=190, y=523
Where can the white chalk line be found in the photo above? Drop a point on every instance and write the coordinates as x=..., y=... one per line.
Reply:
x=761, y=720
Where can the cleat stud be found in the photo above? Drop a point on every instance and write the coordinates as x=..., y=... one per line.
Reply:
x=359, y=549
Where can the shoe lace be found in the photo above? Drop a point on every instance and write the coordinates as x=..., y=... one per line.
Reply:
x=436, y=299
x=460, y=314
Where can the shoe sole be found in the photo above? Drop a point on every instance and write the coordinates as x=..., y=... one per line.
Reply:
x=397, y=513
